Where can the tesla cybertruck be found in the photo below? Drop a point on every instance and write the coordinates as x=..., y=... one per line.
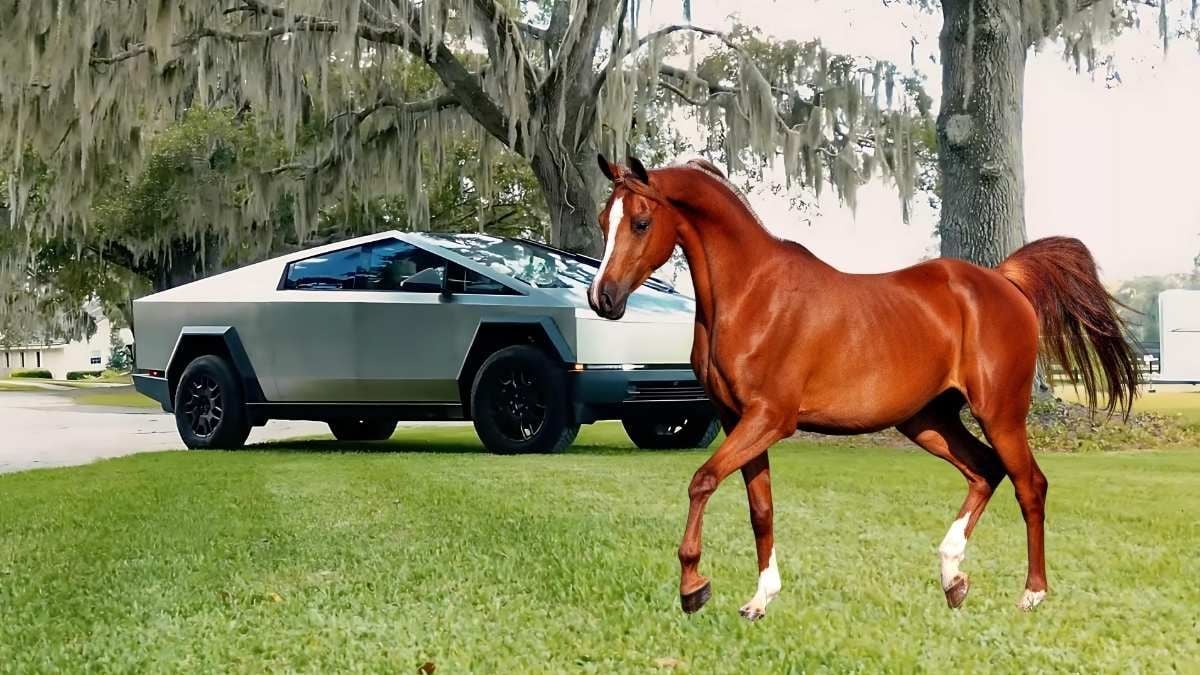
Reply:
x=399, y=326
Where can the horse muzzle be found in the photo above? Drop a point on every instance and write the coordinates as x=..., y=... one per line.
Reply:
x=607, y=304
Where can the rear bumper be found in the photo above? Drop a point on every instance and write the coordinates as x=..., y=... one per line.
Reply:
x=155, y=388
x=613, y=394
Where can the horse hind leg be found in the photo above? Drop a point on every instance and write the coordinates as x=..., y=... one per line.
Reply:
x=939, y=430
x=1009, y=436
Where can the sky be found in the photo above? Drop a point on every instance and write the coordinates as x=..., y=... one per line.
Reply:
x=1115, y=167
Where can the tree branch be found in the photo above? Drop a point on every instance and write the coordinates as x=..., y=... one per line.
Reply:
x=466, y=87
x=434, y=104
x=646, y=39
x=531, y=30
x=507, y=33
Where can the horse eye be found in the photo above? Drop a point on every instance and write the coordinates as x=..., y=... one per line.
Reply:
x=641, y=225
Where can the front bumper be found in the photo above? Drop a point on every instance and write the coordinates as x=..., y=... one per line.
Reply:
x=613, y=394
x=153, y=387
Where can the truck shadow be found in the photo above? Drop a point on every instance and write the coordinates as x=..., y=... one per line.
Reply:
x=407, y=444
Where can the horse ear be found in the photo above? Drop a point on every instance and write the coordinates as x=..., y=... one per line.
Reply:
x=606, y=168
x=638, y=170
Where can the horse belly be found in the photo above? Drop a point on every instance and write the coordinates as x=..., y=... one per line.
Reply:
x=867, y=404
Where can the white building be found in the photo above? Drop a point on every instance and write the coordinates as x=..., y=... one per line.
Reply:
x=61, y=358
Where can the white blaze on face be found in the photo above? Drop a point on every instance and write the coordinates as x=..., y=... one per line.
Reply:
x=616, y=213
x=953, y=550
x=768, y=587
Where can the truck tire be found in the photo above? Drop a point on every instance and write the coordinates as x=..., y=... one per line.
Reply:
x=210, y=407
x=519, y=403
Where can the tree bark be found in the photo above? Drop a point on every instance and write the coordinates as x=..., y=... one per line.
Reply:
x=572, y=195
x=979, y=130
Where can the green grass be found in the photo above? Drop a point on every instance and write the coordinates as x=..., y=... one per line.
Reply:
x=10, y=385
x=308, y=559
x=126, y=397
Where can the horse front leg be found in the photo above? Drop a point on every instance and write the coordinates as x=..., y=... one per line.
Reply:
x=757, y=474
x=754, y=433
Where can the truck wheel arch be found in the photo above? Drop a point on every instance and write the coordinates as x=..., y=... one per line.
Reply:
x=222, y=341
x=493, y=335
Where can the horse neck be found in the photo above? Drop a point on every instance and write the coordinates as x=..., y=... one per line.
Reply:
x=722, y=238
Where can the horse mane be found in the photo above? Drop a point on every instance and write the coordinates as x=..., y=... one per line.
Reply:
x=707, y=168
x=706, y=165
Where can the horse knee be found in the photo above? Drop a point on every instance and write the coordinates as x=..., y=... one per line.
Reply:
x=703, y=485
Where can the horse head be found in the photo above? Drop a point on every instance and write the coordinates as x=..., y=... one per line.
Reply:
x=639, y=226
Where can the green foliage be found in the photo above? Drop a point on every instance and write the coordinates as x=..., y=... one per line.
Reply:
x=118, y=357
x=201, y=164
x=84, y=374
x=1066, y=426
x=323, y=557
x=31, y=374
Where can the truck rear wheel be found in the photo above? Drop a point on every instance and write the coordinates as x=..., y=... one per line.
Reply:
x=519, y=403
x=210, y=408
x=693, y=430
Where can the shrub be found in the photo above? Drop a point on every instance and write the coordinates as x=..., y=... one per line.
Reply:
x=84, y=374
x=1061, y=426
x=32, y=373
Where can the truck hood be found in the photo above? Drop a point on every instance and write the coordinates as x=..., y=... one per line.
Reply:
x=646, y=305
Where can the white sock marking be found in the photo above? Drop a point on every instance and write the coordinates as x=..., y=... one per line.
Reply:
x=768, y=587
x=953, y=550
x=1030, y=599
x=616, y=213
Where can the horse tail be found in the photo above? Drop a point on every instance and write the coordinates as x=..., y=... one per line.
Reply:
x=1080, y=327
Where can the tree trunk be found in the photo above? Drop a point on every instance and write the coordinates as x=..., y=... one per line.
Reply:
x=979, y=130
x=572, y=195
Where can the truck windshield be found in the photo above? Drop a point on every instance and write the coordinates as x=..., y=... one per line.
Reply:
x=531, y=262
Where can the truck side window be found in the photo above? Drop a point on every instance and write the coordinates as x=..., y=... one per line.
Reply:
x=333, y=271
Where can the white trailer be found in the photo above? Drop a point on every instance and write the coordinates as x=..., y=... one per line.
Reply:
x=1179, y=337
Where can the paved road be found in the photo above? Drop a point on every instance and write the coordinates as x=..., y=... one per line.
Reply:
x=50, y=429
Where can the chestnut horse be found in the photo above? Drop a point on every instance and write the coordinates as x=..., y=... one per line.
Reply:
x=784, y=341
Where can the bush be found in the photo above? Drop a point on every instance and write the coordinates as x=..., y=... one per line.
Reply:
x=1056, y=425
x=32, y=373
x=84, y=374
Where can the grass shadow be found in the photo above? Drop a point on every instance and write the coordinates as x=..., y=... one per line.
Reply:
x=394, y=445
x=597, y=439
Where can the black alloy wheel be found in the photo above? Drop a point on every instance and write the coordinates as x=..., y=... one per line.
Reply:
x=210, y=407
x=520, y=402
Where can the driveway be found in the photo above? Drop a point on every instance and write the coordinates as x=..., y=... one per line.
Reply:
x=49, y=429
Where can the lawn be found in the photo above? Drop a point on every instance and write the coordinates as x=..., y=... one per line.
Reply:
x=126, y=397
x=17, y=385
x=305, y=558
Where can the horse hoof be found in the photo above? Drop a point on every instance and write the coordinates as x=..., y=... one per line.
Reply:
x=751, y=613
x=1030, y=600
x=957, y=593
x=692, y=602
